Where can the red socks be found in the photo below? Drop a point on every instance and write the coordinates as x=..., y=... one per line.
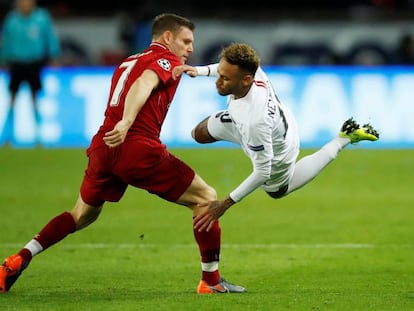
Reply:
x=26, y=254
x=209, y=244
x=57, y=229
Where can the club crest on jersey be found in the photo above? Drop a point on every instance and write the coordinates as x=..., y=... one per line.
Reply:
x=164, y=64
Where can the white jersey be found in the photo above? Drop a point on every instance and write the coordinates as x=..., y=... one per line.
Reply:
x=267, y=132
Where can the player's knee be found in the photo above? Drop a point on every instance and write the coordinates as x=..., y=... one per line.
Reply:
x=86, y=219
x=208, y=193
x=211, y=194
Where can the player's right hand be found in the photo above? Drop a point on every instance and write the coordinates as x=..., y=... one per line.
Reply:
x=116, y=136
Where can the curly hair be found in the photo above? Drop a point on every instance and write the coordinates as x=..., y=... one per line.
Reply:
x=242, y=55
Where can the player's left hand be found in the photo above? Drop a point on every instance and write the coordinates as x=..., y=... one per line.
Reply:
x=178, y=71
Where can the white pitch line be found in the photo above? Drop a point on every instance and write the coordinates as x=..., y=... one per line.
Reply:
x=234, y=246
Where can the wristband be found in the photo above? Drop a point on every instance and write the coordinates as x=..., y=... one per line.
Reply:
x=203, y=70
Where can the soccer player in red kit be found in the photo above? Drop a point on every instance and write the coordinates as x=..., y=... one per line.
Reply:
x=127, y=150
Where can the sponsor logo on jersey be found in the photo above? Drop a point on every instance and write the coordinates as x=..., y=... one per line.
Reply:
x=164, y=64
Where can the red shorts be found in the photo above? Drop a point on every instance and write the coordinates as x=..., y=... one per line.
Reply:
x=142, y=163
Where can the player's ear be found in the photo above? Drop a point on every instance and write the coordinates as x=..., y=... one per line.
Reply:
x=167, y=36
x=248, y=79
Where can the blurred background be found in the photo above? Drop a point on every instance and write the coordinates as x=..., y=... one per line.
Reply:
x=364, y=32
x=339, y=58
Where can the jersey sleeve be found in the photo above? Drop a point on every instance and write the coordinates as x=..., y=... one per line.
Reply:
x=258, y=145
x=261, y=153
x=163, y=66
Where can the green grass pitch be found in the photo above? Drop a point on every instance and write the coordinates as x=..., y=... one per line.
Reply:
x=343, y=242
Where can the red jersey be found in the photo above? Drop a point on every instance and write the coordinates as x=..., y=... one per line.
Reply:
x=150, y=118
x=141, y=160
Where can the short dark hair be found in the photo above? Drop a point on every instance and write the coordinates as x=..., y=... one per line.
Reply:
x=242, y=55
x=170, y=21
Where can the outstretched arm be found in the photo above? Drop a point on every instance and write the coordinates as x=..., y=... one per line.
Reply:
x=194, y=71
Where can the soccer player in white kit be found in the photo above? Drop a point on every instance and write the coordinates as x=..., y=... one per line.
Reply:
x=264, y=127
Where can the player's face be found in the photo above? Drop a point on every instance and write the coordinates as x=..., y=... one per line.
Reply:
x=232, y=80
x=181, y=44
